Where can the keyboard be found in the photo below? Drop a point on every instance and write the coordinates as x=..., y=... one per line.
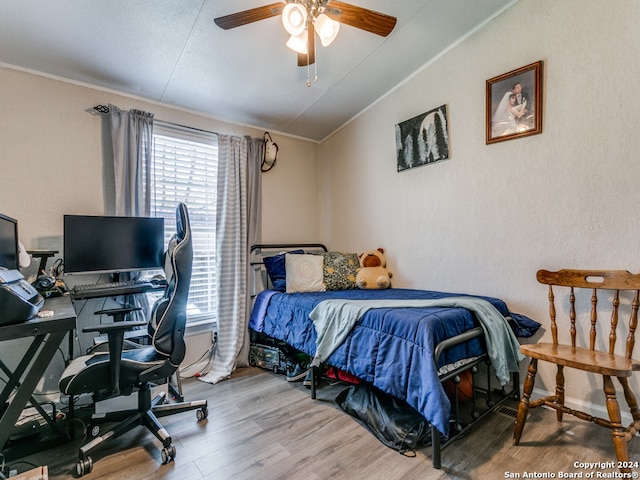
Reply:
x=110, y=289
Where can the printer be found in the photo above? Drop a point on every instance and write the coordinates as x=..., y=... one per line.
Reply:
x=19, y=301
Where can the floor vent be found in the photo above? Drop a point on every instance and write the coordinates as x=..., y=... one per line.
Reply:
x=507, y=411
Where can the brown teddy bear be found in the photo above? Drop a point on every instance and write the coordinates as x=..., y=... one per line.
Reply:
x=372, y=273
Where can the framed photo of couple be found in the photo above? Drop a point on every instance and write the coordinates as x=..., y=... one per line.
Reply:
x=514, y=104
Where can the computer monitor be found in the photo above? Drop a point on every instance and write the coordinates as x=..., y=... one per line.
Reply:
x=104, y=244
x=9, y=243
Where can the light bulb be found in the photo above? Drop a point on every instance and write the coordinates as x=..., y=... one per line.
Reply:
x=327, y=29
x=294, y=18
x=298, y=43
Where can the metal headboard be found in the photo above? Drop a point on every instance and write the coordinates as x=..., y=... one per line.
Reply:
x=259, y=278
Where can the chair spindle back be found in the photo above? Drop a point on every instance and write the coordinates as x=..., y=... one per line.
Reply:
x=597, y=281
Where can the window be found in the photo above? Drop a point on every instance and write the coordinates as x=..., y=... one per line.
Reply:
x=185, y=166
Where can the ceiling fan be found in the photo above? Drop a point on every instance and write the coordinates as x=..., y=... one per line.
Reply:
x=303, y=18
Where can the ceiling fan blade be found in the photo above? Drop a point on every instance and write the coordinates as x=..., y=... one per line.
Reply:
x=249, y=16
x=362, y=18
x=303, y=59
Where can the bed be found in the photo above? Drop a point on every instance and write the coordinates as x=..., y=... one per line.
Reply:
x=405, y=351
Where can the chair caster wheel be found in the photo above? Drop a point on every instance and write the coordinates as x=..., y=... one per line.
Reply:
x=202, y=413
x=84, y=466
x=168, y=454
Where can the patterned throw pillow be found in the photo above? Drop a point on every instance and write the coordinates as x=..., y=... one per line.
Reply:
x=340, y=270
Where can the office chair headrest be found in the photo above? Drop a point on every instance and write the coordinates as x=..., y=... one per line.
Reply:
x=182, y=220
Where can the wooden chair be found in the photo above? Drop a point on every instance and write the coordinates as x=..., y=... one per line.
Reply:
x=589, y=358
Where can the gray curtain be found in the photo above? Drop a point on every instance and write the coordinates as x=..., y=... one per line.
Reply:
x=239, y=219
x=132, y=141
x=255, y=154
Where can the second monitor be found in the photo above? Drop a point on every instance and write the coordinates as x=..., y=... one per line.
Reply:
x=109, y=244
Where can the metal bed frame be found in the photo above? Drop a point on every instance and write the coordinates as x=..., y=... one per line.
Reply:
x=492, y=400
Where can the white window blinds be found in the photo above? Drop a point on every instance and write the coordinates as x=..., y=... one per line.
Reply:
x=185, y=166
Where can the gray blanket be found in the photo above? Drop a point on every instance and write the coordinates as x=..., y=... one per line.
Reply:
x=334, y=319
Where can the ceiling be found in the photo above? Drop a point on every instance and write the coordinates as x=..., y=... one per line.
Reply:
x=171, y=51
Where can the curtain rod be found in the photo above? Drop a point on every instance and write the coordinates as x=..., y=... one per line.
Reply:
x=102, y=110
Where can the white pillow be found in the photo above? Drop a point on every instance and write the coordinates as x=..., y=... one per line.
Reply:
x=304, y=273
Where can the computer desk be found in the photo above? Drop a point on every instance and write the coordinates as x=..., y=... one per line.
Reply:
x=47, y=334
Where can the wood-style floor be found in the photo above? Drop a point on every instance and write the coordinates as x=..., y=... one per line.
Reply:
x=262, y=427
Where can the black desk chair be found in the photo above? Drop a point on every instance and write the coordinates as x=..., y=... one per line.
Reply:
x=118, y=373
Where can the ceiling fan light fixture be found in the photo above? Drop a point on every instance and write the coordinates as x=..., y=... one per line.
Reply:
x=298, y=43
x=327, y=29
x=294, y=18
x=303, y=18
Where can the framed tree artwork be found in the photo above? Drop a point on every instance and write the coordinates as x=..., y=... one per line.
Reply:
x=514, y=104
x=423, y=139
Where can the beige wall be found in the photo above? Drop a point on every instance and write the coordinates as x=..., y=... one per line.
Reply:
x=488, y=218
x=51, y=157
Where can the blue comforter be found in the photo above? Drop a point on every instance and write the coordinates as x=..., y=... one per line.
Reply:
x=391, y=348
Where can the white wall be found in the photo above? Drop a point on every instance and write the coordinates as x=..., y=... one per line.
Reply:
x=488, y=218
x=51, y=164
